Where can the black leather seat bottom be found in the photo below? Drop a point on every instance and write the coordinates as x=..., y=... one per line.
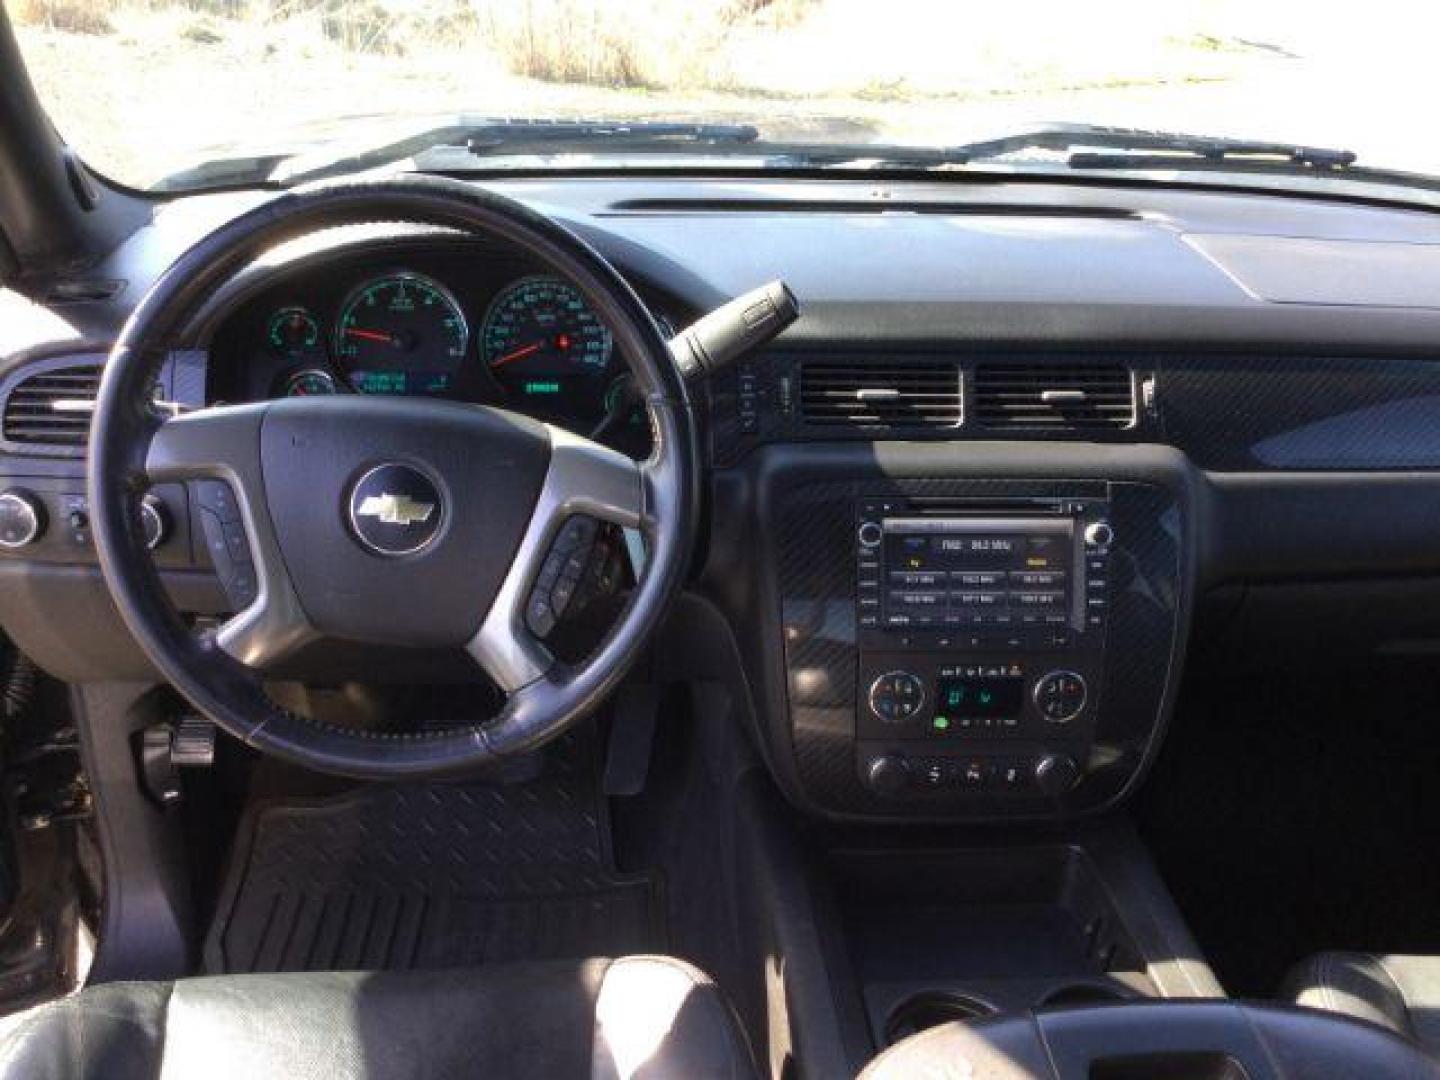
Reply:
x=637, y=1017
x=1398, y=992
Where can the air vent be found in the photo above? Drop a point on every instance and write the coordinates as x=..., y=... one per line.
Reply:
x=1044, y=397
x=908, y=394
x=52, y=407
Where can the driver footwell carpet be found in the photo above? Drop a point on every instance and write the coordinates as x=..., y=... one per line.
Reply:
x=431, y=875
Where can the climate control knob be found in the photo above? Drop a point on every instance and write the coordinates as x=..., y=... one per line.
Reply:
x=887, y=774
x=1061, y=695
x=896, y=696
x=22, y=518
x=1055, y=774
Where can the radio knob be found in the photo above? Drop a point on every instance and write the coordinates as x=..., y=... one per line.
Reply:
x=1099, y=534
x=1055, y=774
x=22, y=518
x=888, y=774
x=870, y=534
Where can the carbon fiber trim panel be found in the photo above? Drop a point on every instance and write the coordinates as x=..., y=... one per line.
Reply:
x=813, y=743
x=1227, y=412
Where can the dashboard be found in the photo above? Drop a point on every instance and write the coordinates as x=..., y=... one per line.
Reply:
x=440, y=320
x=977, y=372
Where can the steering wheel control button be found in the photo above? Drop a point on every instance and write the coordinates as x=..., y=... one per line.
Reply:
x=154, y=521
x=226, y=543
x=560, y=575
x=896, y=696
x=395, y=510
x=1060, y=696
x=22, y=518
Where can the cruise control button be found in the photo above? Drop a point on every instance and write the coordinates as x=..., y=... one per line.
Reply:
x=243, y=586
x=216, y=496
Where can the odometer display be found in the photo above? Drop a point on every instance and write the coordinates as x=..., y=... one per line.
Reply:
x=401, y=334
x=545, y=344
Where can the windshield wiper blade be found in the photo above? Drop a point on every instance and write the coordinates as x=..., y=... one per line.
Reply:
x=507, y=136
x=499, y=136
x=1130, y=147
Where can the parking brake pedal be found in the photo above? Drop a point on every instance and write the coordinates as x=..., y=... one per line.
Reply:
x=165, y=750
x=193, y=746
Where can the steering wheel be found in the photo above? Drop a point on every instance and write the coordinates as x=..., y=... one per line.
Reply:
x=387, y=521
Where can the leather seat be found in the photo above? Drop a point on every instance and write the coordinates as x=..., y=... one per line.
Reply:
x=648, y=1018
x=1401, y=993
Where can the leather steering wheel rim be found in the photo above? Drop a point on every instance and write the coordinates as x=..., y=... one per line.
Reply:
x=122, y=465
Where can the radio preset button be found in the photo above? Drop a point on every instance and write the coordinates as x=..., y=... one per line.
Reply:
x=1047, y=599
x=1038, y=579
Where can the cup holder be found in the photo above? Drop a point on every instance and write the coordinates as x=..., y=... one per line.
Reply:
x=931, y=1009
x=1082, y=994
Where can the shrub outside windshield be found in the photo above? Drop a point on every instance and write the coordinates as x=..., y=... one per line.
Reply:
x=153, y=89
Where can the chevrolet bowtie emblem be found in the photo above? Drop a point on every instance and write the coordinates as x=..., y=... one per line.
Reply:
x=395, y=509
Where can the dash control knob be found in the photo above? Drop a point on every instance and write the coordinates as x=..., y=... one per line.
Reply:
x=22, y=518
x=1055, y=774
x=887, y=774
x=1099, y=534
x=896, y=696
x=1061, y=695
x=870, y=534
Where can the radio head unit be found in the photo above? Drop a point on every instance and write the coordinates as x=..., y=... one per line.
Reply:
x=942, y=574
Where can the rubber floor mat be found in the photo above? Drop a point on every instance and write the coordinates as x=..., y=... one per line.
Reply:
x=427, y=876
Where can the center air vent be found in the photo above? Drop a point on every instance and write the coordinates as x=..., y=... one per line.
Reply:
x=52, y=407
x=907, y=394
x=1053, y=397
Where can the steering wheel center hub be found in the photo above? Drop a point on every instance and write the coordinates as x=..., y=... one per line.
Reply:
x=396, y=510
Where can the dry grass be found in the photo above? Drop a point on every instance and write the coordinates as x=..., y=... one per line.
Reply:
x=658, y=44
x=73, y=16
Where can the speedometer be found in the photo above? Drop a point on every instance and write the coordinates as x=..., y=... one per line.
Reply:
x=542, y=339
x=401, y=334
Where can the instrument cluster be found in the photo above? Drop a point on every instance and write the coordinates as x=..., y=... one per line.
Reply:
x=432, y=325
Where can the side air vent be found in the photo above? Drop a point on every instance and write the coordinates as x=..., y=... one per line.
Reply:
x=52, y=407
x=1054, y=397
x=904, y=395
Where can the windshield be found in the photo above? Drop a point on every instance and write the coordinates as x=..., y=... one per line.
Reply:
x=182, y=94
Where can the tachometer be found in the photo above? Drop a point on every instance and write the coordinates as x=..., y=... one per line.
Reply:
x=542, y=339
x=401, y=334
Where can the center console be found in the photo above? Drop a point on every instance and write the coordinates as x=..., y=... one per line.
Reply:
x=981, y=636
x=993, y=634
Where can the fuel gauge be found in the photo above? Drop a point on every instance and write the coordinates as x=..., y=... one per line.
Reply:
x=293, y=330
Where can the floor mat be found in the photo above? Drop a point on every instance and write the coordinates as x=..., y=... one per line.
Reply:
x=435, y=875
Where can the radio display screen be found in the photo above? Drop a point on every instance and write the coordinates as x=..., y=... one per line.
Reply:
x=966, y=572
